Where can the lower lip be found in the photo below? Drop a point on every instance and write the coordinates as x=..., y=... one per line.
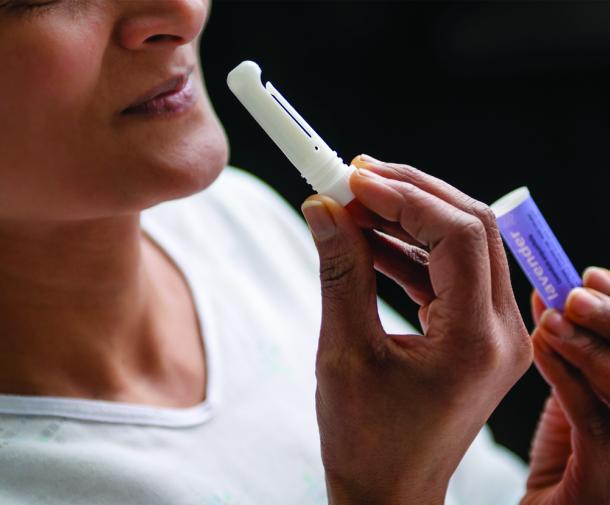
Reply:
x=168, y=104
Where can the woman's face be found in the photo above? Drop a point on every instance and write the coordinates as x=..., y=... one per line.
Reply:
x=69, y=69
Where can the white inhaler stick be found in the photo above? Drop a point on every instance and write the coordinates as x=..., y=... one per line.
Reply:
x=318, y=164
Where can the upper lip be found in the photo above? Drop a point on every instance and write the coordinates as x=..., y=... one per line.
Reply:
x=173, y=85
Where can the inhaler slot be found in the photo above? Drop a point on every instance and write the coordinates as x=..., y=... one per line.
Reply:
x=293, y=118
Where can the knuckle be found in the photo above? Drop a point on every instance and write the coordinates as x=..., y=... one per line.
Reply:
x=342, y=367
x=331, y=365
x=408, y=218
x=522, y=359
x=328, y=366
x=484, y=213
x=488, y=354
x=491, y=358
x=525, y=353
x=471, y=229
x=481, y=352
x=497, y=347
x=521, y=342
x=594, y=349
x=598, y=426
x=335, y=269
x=403, y=172
x=406, y=188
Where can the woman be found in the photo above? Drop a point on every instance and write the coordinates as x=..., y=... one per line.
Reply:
x=167, y=356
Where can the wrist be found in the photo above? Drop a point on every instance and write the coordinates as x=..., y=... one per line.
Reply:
x=340, y=493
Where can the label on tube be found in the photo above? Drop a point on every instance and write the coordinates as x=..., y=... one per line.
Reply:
x=536, y=248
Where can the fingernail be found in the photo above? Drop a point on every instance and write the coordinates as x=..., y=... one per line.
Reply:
x=554, y=322
x=319, y=220
x=582, y=303
x=597, y=278
x=370, y=159
x=363, y=172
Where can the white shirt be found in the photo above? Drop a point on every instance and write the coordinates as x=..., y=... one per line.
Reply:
x=253, y=272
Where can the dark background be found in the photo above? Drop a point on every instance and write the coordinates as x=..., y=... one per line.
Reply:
x=486, y=95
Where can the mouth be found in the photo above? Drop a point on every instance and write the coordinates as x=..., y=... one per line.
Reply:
x=168, y=98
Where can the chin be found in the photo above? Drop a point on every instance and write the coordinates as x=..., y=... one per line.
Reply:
x=187, y=168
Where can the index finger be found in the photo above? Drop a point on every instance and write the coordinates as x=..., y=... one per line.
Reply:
x=456, y=198
x=459, y=257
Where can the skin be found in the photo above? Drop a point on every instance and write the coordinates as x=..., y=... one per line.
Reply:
x=89, y=307
x=570, y=457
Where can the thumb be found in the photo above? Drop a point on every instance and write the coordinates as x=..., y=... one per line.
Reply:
x=347, y=276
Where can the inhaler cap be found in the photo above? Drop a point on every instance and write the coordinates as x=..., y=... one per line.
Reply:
x=317, y=163
x=510, y=201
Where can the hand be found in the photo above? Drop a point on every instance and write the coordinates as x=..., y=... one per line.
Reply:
x=570, y=459
x=397, y=412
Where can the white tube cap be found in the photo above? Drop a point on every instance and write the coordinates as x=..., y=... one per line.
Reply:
x=510, y=201
x=318, y=164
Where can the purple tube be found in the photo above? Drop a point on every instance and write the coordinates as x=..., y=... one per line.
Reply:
x=535, y=248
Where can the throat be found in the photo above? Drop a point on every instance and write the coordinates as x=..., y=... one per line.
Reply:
x=156, y=358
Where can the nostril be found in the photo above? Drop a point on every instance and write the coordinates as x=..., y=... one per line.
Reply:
x=163, y=37
x=158, y=24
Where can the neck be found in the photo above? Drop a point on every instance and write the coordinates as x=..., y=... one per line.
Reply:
x=74, y=306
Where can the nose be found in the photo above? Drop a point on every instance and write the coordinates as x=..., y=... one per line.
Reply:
x=160, y=23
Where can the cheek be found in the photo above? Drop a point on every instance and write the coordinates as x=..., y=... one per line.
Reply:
x=48, y=74
x=69, y=74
